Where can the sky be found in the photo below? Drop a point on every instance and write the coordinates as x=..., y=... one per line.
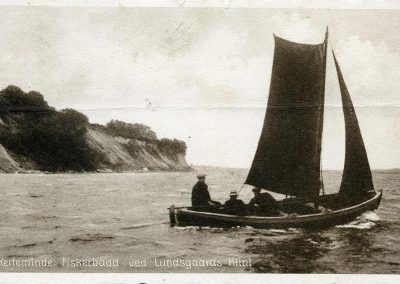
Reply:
x=202, y=74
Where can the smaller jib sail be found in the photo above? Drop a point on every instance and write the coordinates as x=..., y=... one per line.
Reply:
x=287, y=159
x=357, y=178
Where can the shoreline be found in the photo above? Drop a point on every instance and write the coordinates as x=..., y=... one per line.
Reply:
x=188, y=169
x=99, y=171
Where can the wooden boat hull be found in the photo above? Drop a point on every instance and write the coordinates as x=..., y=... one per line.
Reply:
x=190, y=217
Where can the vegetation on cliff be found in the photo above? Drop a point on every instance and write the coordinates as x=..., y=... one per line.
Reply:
x=57, y=141
x=142, y=132
x=130, y=130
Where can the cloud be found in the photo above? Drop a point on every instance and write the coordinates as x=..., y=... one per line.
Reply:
x=297, y=28
x=190, y=62
x=215, y=72
x=372, y=71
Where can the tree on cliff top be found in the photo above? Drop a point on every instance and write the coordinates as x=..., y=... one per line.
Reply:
x=55, y=140
x=143, y=132
x=130, y=130
x=172, y=146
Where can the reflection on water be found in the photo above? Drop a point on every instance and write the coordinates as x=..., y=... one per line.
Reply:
x=292, y=255
x=335, y=250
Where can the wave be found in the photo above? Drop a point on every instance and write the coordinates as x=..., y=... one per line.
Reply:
x=144, y=225
x=365, y=222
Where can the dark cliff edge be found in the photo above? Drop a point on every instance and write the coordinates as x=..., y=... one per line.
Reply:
x=36, y=137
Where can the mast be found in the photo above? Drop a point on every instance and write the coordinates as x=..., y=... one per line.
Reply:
x=320, y=128
x=321, y=118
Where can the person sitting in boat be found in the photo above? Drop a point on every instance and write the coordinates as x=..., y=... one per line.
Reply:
x=234, y=206
x=200, y=194
x=262, y=204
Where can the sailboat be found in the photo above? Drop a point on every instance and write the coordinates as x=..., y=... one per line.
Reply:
x=288, y=156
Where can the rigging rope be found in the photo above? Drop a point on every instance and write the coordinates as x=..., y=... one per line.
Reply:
x=241, y=188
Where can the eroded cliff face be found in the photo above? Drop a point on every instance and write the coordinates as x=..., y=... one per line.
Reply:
x=7, y=163
x=124, y=154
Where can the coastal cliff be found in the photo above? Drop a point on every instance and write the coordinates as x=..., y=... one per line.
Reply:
x=129, y=154
x=36, y=137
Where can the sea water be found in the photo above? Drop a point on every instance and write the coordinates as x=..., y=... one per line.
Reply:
x=121, y=219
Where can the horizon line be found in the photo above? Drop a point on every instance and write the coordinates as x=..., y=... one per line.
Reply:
x=241, y=168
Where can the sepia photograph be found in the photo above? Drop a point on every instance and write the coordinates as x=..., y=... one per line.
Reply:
x=197, y=139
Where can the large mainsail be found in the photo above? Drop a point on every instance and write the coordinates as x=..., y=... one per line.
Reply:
x=287, y=159
x=357, y=178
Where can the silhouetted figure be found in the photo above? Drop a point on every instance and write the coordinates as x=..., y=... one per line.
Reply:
x=234, y=206
x=262, y=204
x=200, y=194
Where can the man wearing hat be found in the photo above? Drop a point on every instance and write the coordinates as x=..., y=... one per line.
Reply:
x=262, y=203
x=234, y=206
x=200, y=194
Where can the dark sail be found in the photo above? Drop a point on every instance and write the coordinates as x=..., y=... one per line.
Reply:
x=287, y=159
x=357, y=178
